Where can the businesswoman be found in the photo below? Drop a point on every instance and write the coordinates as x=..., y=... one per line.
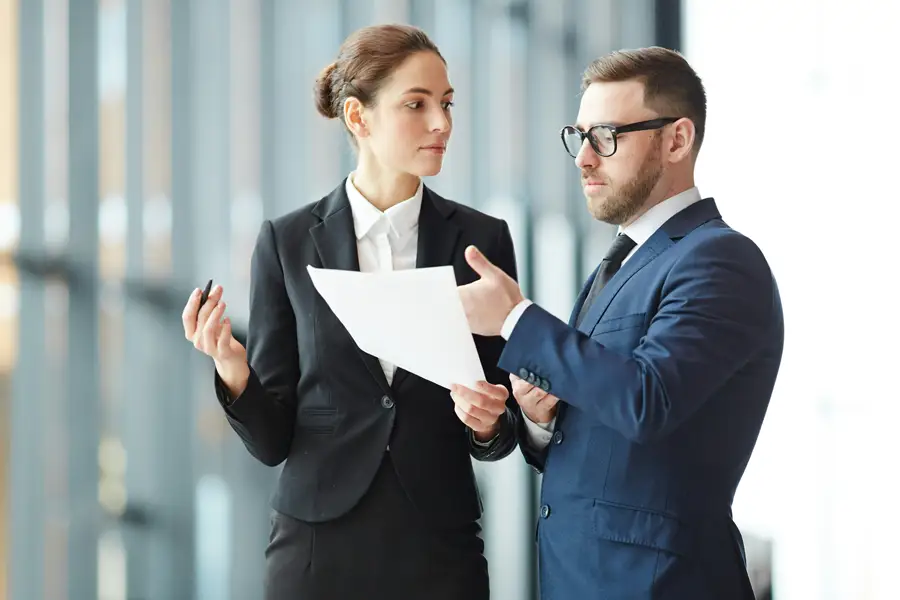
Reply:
x=377, y=497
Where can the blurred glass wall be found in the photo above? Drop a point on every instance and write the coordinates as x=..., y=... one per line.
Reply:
x=142, y=143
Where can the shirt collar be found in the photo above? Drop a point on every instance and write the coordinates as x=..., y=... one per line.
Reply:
x=647, y=224
x=401, y=218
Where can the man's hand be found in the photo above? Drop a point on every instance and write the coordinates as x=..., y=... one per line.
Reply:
x=480, y=409
x=489, y=300
x=538, y=405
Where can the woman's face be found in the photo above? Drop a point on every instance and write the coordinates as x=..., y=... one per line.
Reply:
x=409, y=125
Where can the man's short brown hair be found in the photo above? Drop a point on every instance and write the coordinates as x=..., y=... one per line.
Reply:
x=671, y=87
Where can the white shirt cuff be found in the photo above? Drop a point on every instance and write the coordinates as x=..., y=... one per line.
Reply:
x=539, y=434
x=513, y=317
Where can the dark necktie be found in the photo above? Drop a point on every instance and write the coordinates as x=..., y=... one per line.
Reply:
x=610, y=264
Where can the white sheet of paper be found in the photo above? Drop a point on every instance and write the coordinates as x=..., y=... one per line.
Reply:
x=412, y=318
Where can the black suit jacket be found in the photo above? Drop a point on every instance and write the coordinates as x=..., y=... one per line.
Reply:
x=318, y=402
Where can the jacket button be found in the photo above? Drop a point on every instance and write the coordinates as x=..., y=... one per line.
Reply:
x=523, y=373
x=544, y=385
x=545, y=511
x=387, y=402
x=558, y=438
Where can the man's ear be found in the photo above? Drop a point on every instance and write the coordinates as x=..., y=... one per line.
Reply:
x=681, y=144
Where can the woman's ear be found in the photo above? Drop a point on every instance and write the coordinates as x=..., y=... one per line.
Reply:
x=353, y=117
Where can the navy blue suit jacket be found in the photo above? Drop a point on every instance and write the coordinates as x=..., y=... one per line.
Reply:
x=663, y=389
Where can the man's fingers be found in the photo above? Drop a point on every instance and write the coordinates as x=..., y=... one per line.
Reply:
x=525, y=393
x=479, y=263
x=521, y=387
x=548, y=401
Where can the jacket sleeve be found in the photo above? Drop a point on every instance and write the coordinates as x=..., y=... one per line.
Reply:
x=265, y=413
x=504, y=256
x=719, y=308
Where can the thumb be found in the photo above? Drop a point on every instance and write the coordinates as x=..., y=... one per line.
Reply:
x=479, y=263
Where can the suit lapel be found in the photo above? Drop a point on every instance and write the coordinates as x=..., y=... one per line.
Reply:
x=582, y=296
x=658, y=242
x=335, y=240
x=438, y=236
x=671, y=231
x=437, y=233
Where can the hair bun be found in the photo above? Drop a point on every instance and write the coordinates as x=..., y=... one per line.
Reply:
x=324, y=92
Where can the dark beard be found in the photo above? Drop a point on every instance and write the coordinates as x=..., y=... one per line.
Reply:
x=625, y=202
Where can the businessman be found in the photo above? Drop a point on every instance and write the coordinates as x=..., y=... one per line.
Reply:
x=643, y=410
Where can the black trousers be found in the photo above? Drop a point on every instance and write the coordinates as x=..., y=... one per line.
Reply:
x=382, y=548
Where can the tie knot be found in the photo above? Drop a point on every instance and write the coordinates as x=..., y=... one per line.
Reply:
x=619, y=249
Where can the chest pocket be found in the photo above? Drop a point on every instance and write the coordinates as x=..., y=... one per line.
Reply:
x=624, y=332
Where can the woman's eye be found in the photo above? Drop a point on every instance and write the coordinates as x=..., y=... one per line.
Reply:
x=414, y=105
x=448, y=104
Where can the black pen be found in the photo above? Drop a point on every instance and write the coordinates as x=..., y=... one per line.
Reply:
x=205, y=295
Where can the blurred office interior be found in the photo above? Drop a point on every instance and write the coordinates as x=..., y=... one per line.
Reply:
x=143, y=141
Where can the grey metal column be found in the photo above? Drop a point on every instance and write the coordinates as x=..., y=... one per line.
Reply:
x=140, y=429
x=83, y=357
x=177, y=391
x=667, y=16
x=26, y=507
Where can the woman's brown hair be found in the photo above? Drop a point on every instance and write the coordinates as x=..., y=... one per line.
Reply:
x=365, y=61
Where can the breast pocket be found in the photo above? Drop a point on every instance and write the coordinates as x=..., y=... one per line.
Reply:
x=320, y=420
x=623, y=332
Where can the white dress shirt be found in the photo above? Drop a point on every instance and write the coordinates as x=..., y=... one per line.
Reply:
x=539, y=434
x=385, y=241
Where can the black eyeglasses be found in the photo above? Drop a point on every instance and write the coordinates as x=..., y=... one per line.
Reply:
x=604, y=138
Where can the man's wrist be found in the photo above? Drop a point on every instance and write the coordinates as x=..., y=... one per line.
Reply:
x=513, y=317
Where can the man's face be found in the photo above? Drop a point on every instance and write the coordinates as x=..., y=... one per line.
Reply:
x=617, y=187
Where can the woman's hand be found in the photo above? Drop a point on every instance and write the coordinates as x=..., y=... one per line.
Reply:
x=210, y=331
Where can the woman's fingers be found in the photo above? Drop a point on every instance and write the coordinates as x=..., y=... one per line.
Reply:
x=205, y=310
x=223, y=344
x=210, y=337
x=189, y=315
